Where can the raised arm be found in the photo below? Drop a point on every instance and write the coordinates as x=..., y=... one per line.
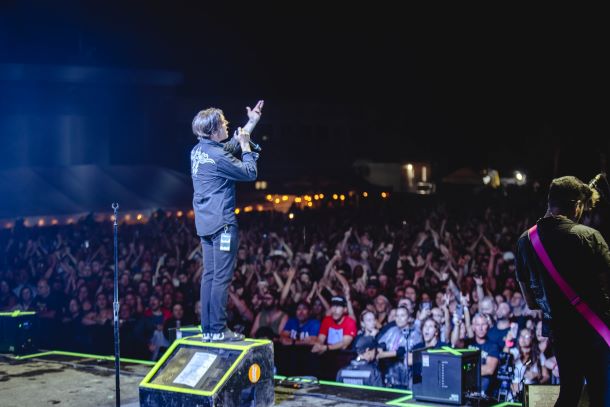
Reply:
x=254, y=116
x=286, y=288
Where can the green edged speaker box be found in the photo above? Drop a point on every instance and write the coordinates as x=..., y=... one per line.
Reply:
x=17, y=332
x=205, y=374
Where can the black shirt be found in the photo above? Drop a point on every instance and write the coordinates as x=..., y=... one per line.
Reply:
x=580, y=254
x=498, y=336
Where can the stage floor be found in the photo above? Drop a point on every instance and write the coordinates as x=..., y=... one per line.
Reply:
x=64, y=379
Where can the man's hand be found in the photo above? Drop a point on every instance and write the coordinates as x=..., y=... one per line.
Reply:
x=318, y=348
x=423, y=314
x=286, y=341
x=368, y=355
x=243, y=137
x=254, y=115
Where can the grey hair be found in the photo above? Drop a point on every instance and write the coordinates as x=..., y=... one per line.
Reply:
x=481, y=316
x=207, y=122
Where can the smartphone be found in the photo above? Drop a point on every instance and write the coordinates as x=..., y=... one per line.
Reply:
x=514, y=329
x=459, y=309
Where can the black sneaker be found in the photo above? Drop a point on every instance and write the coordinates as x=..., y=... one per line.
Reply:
x=227, y=336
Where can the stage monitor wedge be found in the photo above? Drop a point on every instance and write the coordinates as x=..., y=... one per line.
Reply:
x=205, y=374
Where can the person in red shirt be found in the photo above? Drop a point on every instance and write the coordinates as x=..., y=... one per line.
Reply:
x=338, y=330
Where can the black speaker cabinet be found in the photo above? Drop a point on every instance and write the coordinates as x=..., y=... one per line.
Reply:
x=446, y=375
x=17, y=332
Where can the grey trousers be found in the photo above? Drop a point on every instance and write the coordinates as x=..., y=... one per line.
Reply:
x=218, y=268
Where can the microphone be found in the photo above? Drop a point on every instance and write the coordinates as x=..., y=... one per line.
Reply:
x=253, y=145
x=232, y=146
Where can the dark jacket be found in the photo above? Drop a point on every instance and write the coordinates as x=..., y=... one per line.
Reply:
x=214, y=171
x=581, y=256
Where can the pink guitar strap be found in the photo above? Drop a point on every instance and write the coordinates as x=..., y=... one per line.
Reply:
x=574, y=299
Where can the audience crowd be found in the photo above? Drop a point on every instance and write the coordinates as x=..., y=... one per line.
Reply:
x=356, y=284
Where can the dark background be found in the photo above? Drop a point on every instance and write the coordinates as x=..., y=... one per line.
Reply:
x=119, y=83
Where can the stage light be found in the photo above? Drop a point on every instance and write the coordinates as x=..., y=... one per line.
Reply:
x=298, y=199
x=291, y=216
x=321, y=196
x=139, y=217
x=285, y=198
x=179, y=214
x=384, y=195
x=492, y=178
x=128, y=217
x=269, y=198
x=54, y=222
x=365, y=194
x=237, y=211
x=342, y=197
x=335, y=196
x=248, y=209
x=316, y=197
x=310, y=204
x=277, y=200
x=520, y=178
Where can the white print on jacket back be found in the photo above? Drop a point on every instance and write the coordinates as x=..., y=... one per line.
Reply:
x=199, y=157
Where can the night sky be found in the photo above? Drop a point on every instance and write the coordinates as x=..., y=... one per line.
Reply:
x=459, y=90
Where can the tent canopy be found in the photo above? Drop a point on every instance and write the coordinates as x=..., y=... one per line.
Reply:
x=90, y=188
x=464, y=176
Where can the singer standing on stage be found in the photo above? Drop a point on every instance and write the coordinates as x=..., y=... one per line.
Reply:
x=214, y=170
